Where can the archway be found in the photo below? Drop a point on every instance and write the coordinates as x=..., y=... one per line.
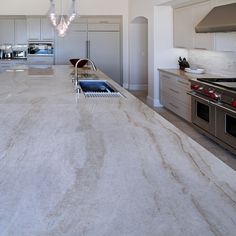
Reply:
x=138, y=71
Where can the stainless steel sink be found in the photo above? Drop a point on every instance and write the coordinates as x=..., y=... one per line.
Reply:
x=98, y=88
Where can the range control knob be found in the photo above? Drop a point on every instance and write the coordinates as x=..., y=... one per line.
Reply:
x=215, y=96
x=195, y=86
x=233, y=103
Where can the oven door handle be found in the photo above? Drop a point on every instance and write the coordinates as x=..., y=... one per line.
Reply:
x=212, y=103
x=199, y=97
x=224, y=108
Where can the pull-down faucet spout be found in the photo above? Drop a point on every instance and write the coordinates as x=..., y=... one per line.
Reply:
x=87, y=59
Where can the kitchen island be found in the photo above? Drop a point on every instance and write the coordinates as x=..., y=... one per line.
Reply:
x=71, y=165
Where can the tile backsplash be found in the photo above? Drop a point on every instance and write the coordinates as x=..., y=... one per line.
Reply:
x=220, y=63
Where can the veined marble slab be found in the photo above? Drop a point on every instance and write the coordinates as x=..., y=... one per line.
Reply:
x=73, y=166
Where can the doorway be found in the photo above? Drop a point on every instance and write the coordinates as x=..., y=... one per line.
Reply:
x=138, y=71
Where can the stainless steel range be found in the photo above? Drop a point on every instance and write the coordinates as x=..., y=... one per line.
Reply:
x=214, y=109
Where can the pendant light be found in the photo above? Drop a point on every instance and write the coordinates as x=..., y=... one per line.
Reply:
x=61, y=22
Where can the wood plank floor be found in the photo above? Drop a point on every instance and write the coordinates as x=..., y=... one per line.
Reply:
x=220, y=152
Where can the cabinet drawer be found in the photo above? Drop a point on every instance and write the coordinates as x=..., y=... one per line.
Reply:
x=181, y=109
x=40, y=60
x=177, y=92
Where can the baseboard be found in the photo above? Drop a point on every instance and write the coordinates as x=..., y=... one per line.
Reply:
x=153, y=102
x=126, y=85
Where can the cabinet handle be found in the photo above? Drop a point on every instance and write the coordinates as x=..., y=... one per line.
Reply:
x=183, y=82
x=175, y=91
x=176, y=107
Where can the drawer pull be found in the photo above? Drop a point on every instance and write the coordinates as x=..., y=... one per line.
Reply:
x=175, y=91
x=176, y=107
x=183, y=82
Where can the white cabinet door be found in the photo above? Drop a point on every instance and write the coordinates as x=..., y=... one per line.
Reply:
x=47, y=31
x=105, y=52
x=39, y=28
x=183, y=27
x=33, y=28
x=73, y=45
x=20, y=31
x=202, y=40
x=225, y=42
x=7, y=31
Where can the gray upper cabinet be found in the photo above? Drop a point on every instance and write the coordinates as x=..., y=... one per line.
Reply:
x=183, y=27
x=14, y=30
x=39, y=29
x=7, y=35
x=20, y=31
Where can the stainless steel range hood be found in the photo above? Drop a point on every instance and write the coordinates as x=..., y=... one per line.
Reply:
x=219, y=19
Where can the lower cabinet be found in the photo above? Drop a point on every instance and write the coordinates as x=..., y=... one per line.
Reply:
x=40, y=60
x=173, y=95
x=9, y=64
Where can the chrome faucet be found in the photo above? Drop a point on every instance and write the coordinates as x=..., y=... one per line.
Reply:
x=87, y=59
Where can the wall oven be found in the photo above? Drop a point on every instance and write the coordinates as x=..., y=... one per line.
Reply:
x=40, y=48
x=40, y=53
x=214, y=109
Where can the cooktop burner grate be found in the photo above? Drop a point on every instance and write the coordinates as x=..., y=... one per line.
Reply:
x=228, y=83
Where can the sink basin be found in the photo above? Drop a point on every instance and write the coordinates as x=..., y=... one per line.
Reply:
x=97, y=88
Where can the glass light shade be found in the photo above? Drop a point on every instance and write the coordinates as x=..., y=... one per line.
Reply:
x=61, y=23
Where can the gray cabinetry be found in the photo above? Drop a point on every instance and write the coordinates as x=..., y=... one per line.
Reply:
x=9, y=64
x=39, y=29
x=73, y=45
x=105, y=52
x=97, y=39
x=20, y=31
x=173, y=95
x=13, y=30
x=7, y=31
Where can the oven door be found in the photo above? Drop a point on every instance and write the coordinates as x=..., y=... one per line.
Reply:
x=226, y=125
x=203, y=113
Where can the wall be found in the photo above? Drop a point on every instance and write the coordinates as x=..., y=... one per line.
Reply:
x=161, y=53
x=84, y=7
x=222, y=63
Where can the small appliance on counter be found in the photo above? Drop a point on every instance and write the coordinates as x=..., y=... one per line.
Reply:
x=6, y=51
x=19, y=51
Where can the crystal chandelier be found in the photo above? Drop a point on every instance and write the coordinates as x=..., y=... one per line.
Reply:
x=61, y=22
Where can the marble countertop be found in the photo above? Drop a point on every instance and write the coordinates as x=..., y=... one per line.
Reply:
x=189, y=76
x=72, y=165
